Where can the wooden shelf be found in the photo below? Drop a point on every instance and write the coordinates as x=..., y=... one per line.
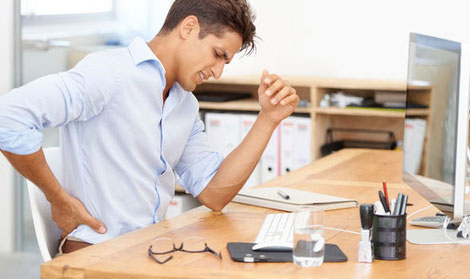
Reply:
x=241, y=105
x=360, y=112
x=312, y=90
x=419, y=112
x=247, y=105
x=371, y=112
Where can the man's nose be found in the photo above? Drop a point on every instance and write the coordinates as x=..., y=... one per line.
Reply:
x=217, y=69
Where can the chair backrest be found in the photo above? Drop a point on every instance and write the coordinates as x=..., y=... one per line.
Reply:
x=47, y=232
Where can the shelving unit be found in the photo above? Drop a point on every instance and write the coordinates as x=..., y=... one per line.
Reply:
x=246, y=84
x=311, y=90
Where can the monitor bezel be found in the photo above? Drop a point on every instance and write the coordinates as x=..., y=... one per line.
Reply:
x=462, y=118
x=462, y=133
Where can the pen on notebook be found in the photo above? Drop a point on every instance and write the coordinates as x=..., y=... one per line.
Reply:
x=385, y=192
x=283, y=195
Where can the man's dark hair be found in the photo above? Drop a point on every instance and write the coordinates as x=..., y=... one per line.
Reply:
x=215, y=17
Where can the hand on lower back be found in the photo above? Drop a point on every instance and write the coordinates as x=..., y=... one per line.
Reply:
x=69, y=213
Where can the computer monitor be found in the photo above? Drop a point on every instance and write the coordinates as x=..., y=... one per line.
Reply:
x=444, y=66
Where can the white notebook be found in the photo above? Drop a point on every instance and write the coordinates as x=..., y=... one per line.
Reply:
x=270, y=198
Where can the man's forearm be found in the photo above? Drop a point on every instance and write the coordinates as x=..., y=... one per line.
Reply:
x=34, y=167
x=238, y=165
x=67, y=212
x=277, y=100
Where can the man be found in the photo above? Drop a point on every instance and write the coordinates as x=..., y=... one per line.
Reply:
x=129, y=123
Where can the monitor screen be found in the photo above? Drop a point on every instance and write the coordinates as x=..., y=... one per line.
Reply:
x=435, y=63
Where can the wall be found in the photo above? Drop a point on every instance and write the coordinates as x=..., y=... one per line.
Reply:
x=366, y=39
x=6, y=83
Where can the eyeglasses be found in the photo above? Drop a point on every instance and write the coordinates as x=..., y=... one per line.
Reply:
x=163, y=246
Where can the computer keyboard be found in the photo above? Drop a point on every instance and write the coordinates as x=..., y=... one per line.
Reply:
x=276, y=233
x=429, y=221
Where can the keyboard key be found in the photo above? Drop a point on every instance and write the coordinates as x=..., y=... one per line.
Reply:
x=277, y=227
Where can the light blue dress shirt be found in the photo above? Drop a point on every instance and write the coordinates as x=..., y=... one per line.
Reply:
x=121, y=147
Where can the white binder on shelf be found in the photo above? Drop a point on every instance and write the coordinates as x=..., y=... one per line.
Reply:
x=288, y=149
x=288, y=134
x=295, y=143
x=270, y=158
x=223, y=131
x=246, y=122
x=415, y=130
x=302, y=142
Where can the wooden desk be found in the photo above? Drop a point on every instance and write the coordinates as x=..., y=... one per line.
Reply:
x=352, y=173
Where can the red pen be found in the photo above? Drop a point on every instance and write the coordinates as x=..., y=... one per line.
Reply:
x=385, y=191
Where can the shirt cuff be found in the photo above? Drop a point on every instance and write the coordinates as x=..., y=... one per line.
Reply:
x=24, y=142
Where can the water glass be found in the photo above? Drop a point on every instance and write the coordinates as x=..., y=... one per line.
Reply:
x=309, y=238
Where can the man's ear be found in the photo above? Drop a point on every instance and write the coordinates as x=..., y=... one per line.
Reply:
x=189, y=27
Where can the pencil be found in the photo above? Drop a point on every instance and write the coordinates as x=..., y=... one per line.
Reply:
x=385, y=192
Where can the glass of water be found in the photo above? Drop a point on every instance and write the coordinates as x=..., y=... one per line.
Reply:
x=309, y=238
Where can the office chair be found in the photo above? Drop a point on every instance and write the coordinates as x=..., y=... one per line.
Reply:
x=47, y=232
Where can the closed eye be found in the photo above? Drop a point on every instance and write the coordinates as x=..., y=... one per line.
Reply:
x=222, y=56
x=218, y=55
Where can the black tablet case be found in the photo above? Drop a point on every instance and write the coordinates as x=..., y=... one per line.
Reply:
x=241, y=252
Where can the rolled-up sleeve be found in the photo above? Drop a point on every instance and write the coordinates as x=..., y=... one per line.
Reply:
x=51, y=101
x=198, y=163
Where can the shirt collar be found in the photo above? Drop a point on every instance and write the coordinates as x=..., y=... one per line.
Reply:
x=141, y=52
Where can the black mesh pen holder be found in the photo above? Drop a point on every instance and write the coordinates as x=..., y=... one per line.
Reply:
x=389, y=237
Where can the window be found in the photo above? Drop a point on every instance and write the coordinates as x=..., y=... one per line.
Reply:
x=38, y=12
x=65, y=7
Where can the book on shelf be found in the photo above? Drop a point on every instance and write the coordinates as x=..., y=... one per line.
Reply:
x=214, y=96
x=415, y=132
x=398, y=105
x=298, y=200
x=389, y=96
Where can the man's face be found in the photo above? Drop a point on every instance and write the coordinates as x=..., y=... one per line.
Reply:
x=202, y=59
